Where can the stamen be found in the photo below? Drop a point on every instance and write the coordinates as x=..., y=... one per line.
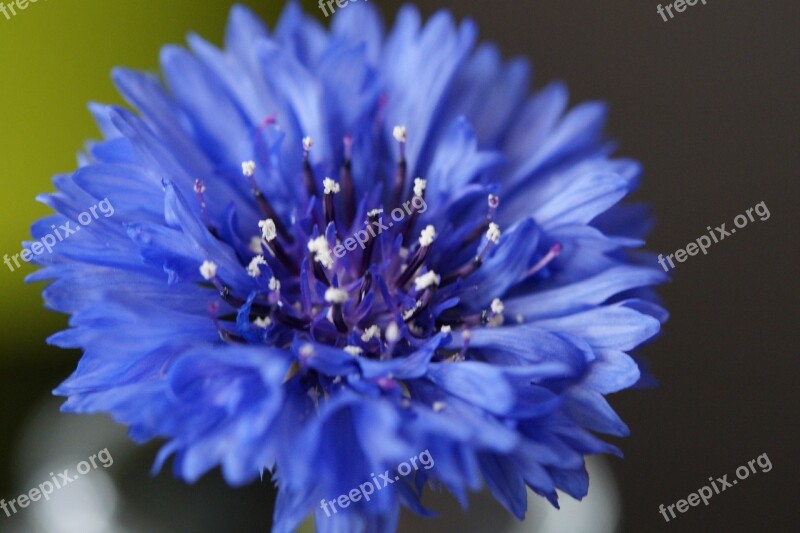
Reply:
x=392, y=334
x=253, y=268
x=400, y=135
x=199, y=191
x=419, y=187
x=411, y=314
x=263, y=323
x=208, y=270
x=366, y=256
x=497, y=306
x=426, y=280
x=308, y=173
x=269, y=234
x=268, y=229
x=331, y=188
x=249, y=170
x=419, y=192
x=274, y=284
x=337, y=297
x=370, y=332
x=366, y=285
x=334, y=295
x=492, y=237
x=496, y=318
x=346, y=178
x=494, y=203
x=438, y=407
x=355, y=351
x=426, y=238
x=543, y=262
x=493, y=233
x=322, y=252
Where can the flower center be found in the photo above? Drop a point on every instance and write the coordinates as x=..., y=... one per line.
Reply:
x=351, y=278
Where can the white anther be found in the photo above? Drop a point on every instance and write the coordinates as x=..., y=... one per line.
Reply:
x=331, y=187
x=426, y=280
x=370, y=332
x=399, y=133
x=392, y=333
x=335, y=296
x=274, y=284
x=408, y=313
x=353, y=350
x=420, y=186
x=427, y=236
x=252, y=268
x=248, y=168
x=208, y=270
x=438, y=406
x=268, y=229
x=322, y=252
x=497, y=306
x=308, y=142
x=263, y=322
x=306, y=351
x=493, y=233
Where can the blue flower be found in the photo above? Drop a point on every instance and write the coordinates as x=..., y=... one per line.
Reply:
x=334, y=250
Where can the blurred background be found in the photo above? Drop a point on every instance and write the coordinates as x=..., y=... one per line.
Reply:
x=707, y=101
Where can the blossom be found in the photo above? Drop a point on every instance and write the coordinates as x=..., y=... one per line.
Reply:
x=486, y=328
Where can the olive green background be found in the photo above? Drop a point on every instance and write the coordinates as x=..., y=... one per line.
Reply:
x=55, y=57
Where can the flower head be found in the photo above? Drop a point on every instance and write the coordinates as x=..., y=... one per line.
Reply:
x=227, y=320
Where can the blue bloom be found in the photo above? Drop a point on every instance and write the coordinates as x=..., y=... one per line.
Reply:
x=333, y=250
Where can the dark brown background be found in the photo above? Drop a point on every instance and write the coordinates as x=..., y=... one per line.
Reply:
x=708, y=102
